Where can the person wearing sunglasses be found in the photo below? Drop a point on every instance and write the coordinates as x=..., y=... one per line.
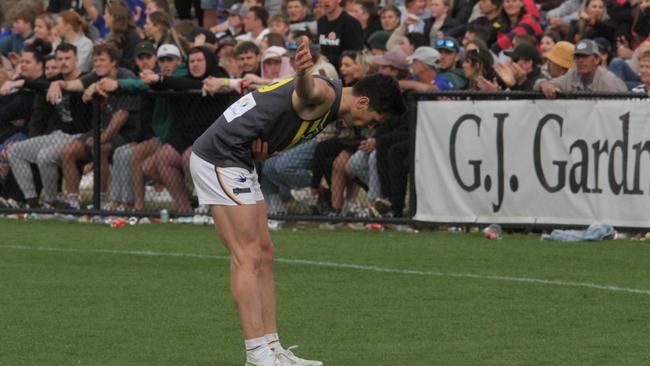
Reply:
x=449, y=50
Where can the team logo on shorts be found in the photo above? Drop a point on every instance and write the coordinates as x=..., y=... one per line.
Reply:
x=241, y=179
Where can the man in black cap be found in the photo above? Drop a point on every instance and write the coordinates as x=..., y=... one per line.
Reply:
x=523, y=69
x=449, y=57
x=587, y=75
x=145, y=56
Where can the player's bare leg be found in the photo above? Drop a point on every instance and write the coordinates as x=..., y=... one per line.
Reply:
x=267, y=283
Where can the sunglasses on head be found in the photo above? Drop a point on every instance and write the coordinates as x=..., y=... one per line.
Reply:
x=446, y=43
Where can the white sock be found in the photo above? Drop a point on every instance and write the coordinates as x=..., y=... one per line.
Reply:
x=273, y=341
x=257, y=349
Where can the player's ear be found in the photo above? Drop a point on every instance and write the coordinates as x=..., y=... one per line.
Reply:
x=362, y=102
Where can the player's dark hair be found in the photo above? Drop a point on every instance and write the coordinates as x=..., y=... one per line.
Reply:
x=383, y=92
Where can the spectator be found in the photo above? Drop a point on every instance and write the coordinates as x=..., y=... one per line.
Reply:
x=424, y=64
x=479, y=67
x=118, y=121
x=353, y=67
x=205, y=11
x=278, y=24
x=51, y=67
x=490, y=21
x=123, y=35
x=299, y=19
x=256, y=25
x=586, y=76
x=449, y=60
x=158, y=29
x=414, y=15
x=593, y=22
x=272, y=39
x=559, y=19
x=172, y=159
x=522, y=70
x=644, y=66
x=518, y=17
x=390, y=18
x=44, y=29
x=248, y=58
x=549, y=39
x=377, y=42
x=50, y=128
x=22, y=30
x=559, y=59
x=365, y=12
x=321, y=66
x=234, y=25
x=73, y=29
x=338, y=31
x=440, y=22
x=157, y=5
x=393, y=63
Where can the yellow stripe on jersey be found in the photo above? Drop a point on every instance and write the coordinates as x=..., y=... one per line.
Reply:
x=306, y=128
x=274, y=86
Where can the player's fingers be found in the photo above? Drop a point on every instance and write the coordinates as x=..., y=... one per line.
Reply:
x=265, y=147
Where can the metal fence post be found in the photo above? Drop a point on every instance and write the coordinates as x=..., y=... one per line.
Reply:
x=97, y=157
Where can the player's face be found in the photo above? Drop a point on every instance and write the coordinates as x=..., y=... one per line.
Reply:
x=361, y=116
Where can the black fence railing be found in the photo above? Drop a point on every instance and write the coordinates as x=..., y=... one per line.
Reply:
x=141, y=166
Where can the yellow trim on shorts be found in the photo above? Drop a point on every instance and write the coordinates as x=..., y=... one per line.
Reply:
x=223, y=187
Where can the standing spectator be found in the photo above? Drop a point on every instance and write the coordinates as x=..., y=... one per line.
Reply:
x=158, y=29
x=414, y=15
x=53, y=128
x=255, y=24
x=279, y=24
x=593, y=22
x=389, y=17
x=299, y=19
x=365, y=12
x=73, y=29
x=518, y=17
x=234, y=25
x=440, y=22
x=586, y=76
x=22, y=29
x=338, y=32
x=248, y=58
x=119, y=121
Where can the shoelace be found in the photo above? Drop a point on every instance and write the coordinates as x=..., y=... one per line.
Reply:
x=287, y=354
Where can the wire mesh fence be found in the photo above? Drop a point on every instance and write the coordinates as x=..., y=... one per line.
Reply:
x=49, y=161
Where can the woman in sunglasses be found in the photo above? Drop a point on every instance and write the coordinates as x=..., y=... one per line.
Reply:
x=479, y=68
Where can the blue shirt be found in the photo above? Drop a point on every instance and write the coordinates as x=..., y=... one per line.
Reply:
x=442, y=83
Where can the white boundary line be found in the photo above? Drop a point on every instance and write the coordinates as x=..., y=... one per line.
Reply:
x=359, y=267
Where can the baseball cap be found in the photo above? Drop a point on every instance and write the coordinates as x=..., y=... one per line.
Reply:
x=237, y=9
x=145, y=48
x=273, y=52
x=447, y=43
x=525, y=51
x=426, y=55
x=396, y=59
x=561, y=54
x=378, y=40
x=587, y=47
x=168, y=50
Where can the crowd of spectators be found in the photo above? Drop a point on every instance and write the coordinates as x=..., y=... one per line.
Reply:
x=59, y=56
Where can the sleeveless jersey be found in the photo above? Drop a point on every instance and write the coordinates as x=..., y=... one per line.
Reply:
x=266, y=113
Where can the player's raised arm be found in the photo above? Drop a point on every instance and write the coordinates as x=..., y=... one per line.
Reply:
x=311, y=92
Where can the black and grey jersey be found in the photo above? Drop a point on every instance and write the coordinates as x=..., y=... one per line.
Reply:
x=266, y=113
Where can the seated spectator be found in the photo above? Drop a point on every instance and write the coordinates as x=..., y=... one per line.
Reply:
x=393, y=63
x=272, y=39
x=523, y=69
x=425, y=64
x=158, y=29
x=123, y=34
x=449, y=61
x=44, y=29
x=365, y=12
x=234, y=24
x=586, y=76
x=593, y=22
x=50, y=128
x=440, y=22
x=119, y=123
x=644, y=66
x=479, y=67
x=353, y=67
x=408, y=43
x=559, y=19
x=413, y=15
x=377, y=42
x=275, y=66
x=559, y=59
x=256, y=25
x=22, y=30
x=278, y=24
x=299, y=19
x=549, y=39
x=73, y=29
x=51, y=67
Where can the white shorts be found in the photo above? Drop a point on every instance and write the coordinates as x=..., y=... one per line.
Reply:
x=224, y=186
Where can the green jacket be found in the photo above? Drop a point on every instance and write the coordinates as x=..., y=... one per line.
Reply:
x=164, y=121
x=457, y=77
x=13, y=43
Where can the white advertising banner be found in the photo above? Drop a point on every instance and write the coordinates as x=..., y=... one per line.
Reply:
x=547, y=162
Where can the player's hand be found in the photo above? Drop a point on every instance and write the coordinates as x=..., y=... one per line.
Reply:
x=260, y=150
x=303, y=60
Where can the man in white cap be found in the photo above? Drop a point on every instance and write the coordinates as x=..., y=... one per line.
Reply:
x=169, y=58
x=424, y=64
x=587, y=75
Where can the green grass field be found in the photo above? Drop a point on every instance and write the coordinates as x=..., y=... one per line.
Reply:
x=81, y=294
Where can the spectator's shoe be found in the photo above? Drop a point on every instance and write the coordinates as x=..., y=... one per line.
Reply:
x=32, y=203
x=202, y=210
x=382, y=206
x=275, y=206
x=66, y=205
x=3, y=203
x=304, y=196
x=286, y=357
x=331, y=225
